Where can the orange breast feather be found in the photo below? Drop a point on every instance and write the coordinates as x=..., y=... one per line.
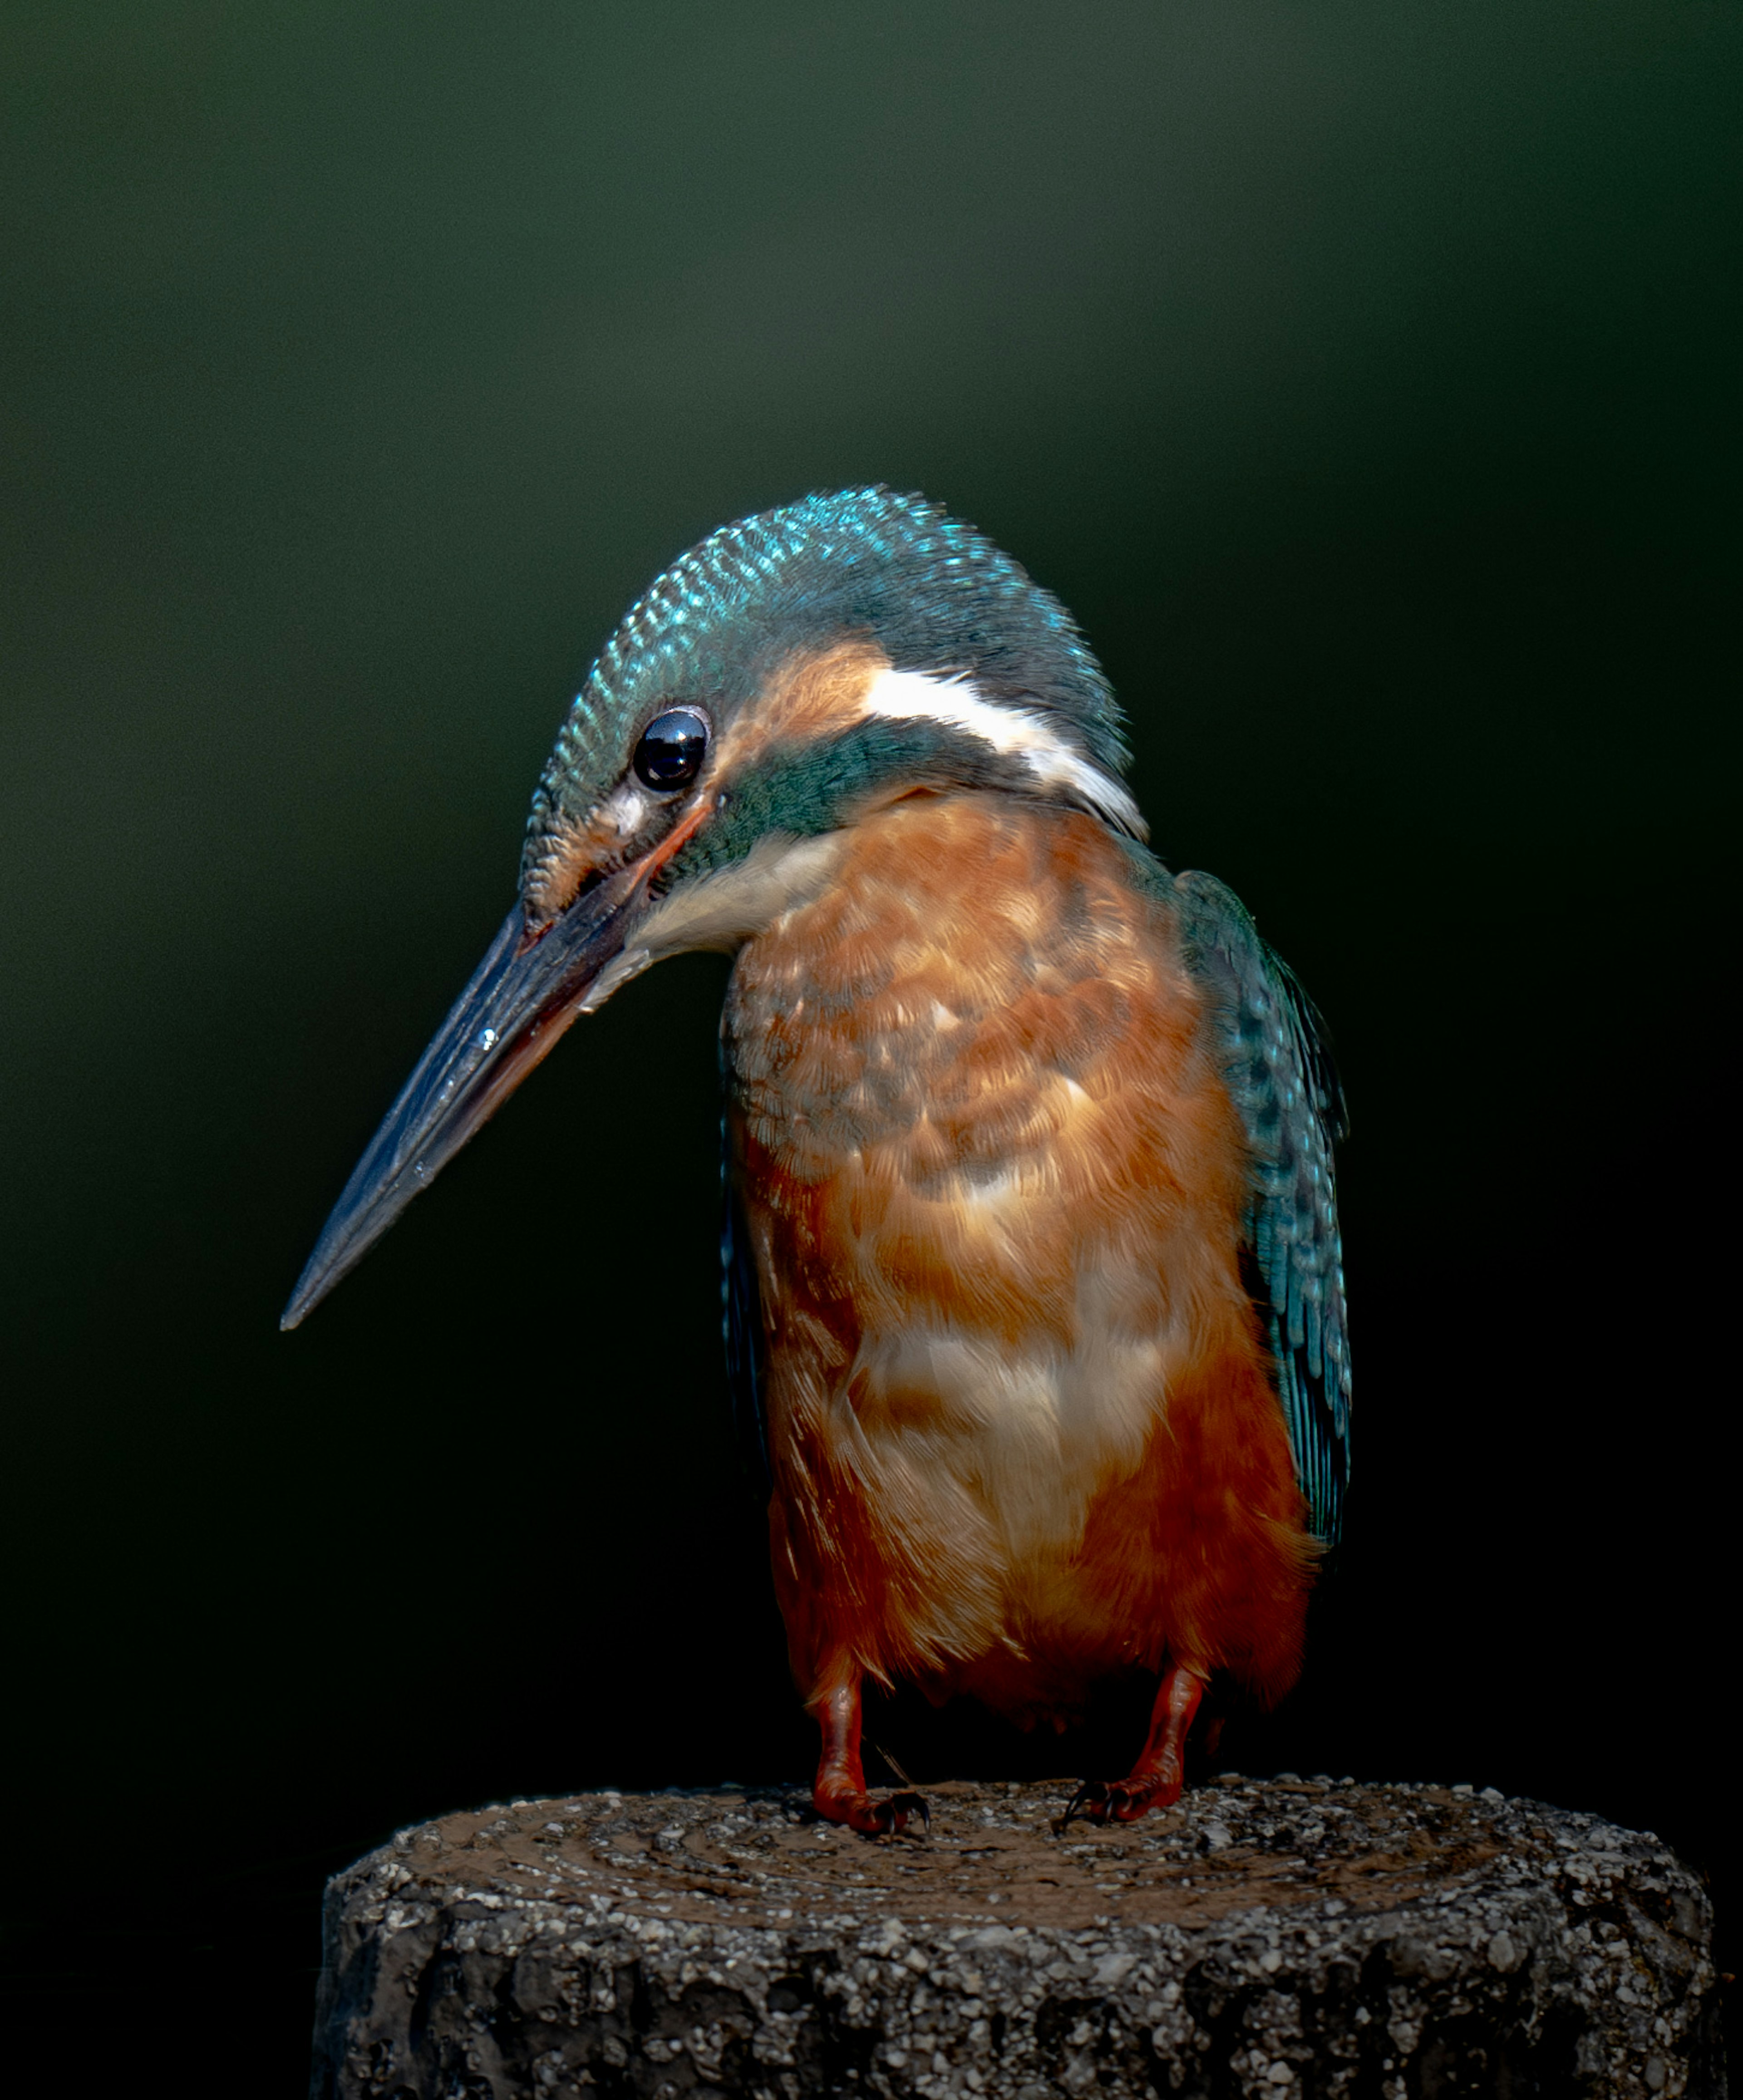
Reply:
x=1022, y=1426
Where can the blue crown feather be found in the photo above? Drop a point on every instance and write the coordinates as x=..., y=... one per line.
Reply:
x=933, y=592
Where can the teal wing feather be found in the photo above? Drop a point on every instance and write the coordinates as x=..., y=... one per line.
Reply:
x=1281, y=1075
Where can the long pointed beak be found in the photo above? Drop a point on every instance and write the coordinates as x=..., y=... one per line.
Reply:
x=521, y=998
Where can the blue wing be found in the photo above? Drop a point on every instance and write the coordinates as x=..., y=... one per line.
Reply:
x=741, y=1321
x=1284, y=1085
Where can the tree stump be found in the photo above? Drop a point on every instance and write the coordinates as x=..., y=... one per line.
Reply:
x=1264, y=1937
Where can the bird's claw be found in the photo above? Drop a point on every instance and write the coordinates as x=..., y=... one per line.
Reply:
x=1100, y=1800
x=892, y=1815
x=1089, y=1802
x=873, y=1817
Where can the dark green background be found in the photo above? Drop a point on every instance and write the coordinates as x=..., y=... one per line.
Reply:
x=1364, y=377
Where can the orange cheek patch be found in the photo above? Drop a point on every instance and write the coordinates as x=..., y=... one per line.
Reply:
x=807, y=697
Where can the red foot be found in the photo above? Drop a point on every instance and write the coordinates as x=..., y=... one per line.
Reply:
x=1120, y=1800
x=838, y=1793
x=1155, y=1780
x=872, y=1818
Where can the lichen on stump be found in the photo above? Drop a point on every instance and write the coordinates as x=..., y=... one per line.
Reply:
x=1265, y=1938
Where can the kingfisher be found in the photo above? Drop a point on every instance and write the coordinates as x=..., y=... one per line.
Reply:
x=1031, y=1273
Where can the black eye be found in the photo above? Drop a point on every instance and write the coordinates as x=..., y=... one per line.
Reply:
x=671, y=750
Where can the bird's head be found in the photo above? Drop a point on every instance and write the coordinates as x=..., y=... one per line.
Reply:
x=791, y=675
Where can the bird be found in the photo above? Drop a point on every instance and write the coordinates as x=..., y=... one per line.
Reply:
x=1031, y=1275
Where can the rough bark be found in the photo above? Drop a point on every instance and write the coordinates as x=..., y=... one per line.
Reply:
x=1274, y=1938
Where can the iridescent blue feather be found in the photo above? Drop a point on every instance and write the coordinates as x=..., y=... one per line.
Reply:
x=933, y=592
x=1284, y=1085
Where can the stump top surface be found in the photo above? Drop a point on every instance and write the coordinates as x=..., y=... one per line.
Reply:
x=1261, y=1938
x=760, y=1858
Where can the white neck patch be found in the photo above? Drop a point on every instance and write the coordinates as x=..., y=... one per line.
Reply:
x=1020, y=732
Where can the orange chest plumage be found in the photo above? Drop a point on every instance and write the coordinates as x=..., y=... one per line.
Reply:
x=1022, y=1424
